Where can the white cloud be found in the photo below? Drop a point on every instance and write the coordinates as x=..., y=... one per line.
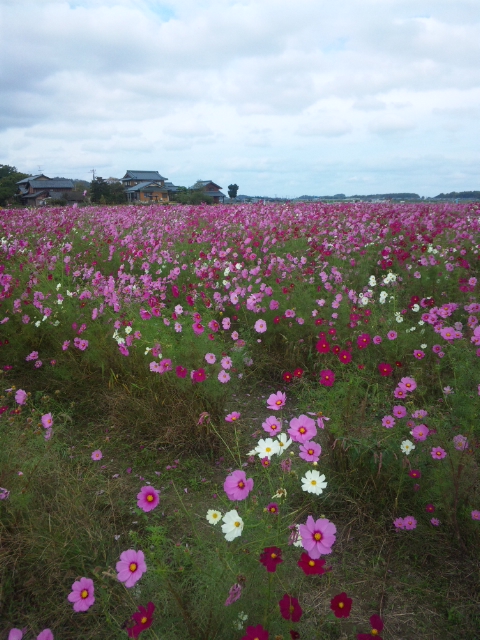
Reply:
x=221, y=87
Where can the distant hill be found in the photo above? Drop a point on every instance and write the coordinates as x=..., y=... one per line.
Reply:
x=393, y=196
x=460, y=194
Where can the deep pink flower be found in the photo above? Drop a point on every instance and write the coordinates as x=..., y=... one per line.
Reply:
x=82, y=594
x=475, y=515
x=46, y=634
x=237, y=486
x=143, y=619
x=272, y=508
x=399, y=411
x=20, y=396
x=430, y=508
x=148, y=498
x=318, y=536
x=419, y=354
x=256, y=633
x=327, y=378
x=270, y=558
x=363, y=340
x=407, y=384
x=276, y=401
x=415, y=473
x=438, y=453
x=302, y=429
x=341, y=605
x=199, y=375
x=310, y=451
x=385, y=369
x=232, y=417
x=181, y=371
x=47, y=420
x=290, y=608
x=388, y=422
x=131, y=567
x=345, y=356
x=377, y=627
x=410, y=522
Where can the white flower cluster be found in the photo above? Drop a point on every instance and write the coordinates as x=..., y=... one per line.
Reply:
x=390, y=277
x=118, y=338
x=398, y=316
x=371, y=281
x=383, y=297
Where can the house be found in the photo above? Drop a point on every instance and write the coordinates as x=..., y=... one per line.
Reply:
x=209, y=188
x=34, y=190
x=147, y=186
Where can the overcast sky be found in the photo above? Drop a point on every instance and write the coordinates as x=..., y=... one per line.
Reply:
x=282, y=97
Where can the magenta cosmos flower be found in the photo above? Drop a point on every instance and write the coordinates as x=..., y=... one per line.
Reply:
x=407, y=384
x=388, y=422
x=15, y=634
x=46, y=634
x=47, y=420
x=276, y=401
x=236, y=485
x=327, y=378
x=232, y=417
x=148, y=498
x=131, y=567
x=310, y=451
x=302, y=429
x=82, y=594
x=420, y=432
x=21, y=396
x=399, y=411
x=317, y=537
x=409, y=522
x=438, y=453
x=97, y=455
x=475, y=515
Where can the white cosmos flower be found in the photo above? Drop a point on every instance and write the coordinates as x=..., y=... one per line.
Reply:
x=407, y=446
x=233, y=526
x=213, y=516
x=313, y=482
x=283, y=443
x=267, y=448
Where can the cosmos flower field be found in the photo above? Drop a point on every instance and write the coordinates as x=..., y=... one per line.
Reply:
x=298, y=367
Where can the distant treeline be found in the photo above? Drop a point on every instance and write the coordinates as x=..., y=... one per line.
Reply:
x=461, y=194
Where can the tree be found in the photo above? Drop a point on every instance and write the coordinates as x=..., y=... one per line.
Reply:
x=190, y=196
x=232, y=191
x=9, y=176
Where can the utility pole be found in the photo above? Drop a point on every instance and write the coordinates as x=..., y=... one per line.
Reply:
x=92, y=171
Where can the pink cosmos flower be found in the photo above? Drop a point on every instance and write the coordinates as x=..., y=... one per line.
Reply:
x=399, y=393
x=226, y=362
x=181, y=371
x=310, y=451
x=148, y=498
x=391, y=335
x=327, y=378
x=223, y=377
x=82, y=594
x=435, y=522
x=317, y=537
x=302, y=429
x=460, y=442
x=272, y=425
x=419, y=354
x=232, y=417
x=226, y=323
x=32, y=356
x=20, y=396
x=407, y=384
x=276, y=401
x=47, y=420
x=377, y=339
x=15, y=634
x=438, y=453
x=97, y=455
x=399, y=523
x=65, y=345
x=410, y=522
x=198, y=375
x=131, y=567
x=260, y=326
x=420, y=432
x=46, y=634
x=399, y=411
x=237, y=486
x=475, y=515
x=210, y=358
x=388, y=422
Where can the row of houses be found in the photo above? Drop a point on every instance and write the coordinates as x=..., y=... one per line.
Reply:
x=140, y=187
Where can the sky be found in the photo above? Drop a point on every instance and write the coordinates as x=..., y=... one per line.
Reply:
x=282, y=97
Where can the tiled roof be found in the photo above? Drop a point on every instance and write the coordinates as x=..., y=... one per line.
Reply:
x=146, y=185
x=203, y=183
x=142, y=175
x=60, y=183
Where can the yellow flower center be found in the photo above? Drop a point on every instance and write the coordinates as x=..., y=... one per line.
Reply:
x=292, y=608
x=273, y=427
x=439, y=453
x=311, y=563
x=149, y=498
x=278, y=402
x=234, y=418
x=241, y=484
x=317, y=536
x=313, y=482
x=143, y=620
x=273, y=556
x=237, y=524
x=310, y=452
x=84, y=594
x=341, y=605
x=214, y=516
x=302, y=430
x=133, y=566
x=268, y=449
x=272, y=509
x=374, y=632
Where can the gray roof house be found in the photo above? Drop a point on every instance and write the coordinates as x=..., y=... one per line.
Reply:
x=209, y=188
x=36, y=189
x=147, y=186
